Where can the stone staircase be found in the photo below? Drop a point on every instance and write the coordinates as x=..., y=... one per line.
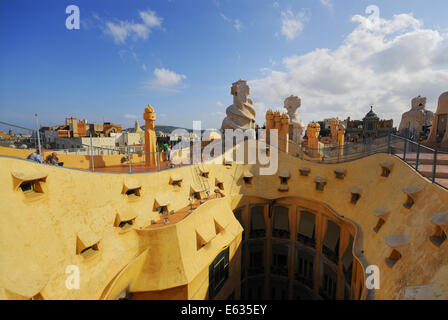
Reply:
x=425, y=165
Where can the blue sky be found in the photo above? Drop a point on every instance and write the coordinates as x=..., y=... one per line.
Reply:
x=181, y=56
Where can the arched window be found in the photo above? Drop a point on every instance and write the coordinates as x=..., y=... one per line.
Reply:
x=279, y=289
x=257, y=223
x=256, y=258
x=281, y=223
x=330, y=246
x=347, y=266
x=328, y=285
x=306, y=230
x=279, y=263
x=218, y=273
x=304, y=267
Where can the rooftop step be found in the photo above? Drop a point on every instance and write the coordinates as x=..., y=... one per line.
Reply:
x=426, y=161
x=443, y=182
x=425, y=158
x=441, y=171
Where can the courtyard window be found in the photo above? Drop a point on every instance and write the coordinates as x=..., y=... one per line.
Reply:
x=306, y=232
x=304, y=272
x=257, y=223
x=347, y=262
x=328, y=283
x=279, y=263
x=218, y=273
x=281, y=223
x=330, y=247
x=256, y=259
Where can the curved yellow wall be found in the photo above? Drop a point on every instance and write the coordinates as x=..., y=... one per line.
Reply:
x=38, y=235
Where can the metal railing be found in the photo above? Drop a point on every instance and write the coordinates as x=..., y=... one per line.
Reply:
x=330, y=154
x=430, y=163
x=18, y=140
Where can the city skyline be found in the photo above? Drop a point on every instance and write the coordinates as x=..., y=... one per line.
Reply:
x=182, y=59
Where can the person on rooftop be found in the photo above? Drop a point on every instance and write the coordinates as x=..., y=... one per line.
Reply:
x=36, y=157
x=54, y=160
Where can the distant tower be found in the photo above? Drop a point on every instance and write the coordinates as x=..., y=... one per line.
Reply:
x=279, y=121
x=334, y=130
x=341, y=138
x=283, y=132
x=137, y=128
x=313, y=132
x=150, y=137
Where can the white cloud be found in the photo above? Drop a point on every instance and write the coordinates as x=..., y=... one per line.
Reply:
x=237, y=24
x=386, y=65
x=219, y=104
x=121, y=30
x=165, y=80
x=224, y=17
x=151, y=19
x=144, y=67
x=275, y=4
x=130, y=116
x=292, y=25
x=327, y=3
x=168, y=78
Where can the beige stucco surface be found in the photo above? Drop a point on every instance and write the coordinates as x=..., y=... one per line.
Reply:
x=38, y=235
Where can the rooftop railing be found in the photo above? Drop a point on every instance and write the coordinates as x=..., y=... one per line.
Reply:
x=427, y=161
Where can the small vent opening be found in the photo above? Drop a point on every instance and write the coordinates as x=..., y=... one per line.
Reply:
x=378, y=226
x=163, y=210
x=125, y=225
x=320, y=185
x=89, y=251
x=409, y=202
x=439, y=237
x=385, y=172
x=34, y=186
x=340, y=173
x=133, y=193
x=177, y=184
x=393, y=258
x=355, y=198
x=196, y=196
x=200, y=241
x=247, y=180
x=204, y=174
